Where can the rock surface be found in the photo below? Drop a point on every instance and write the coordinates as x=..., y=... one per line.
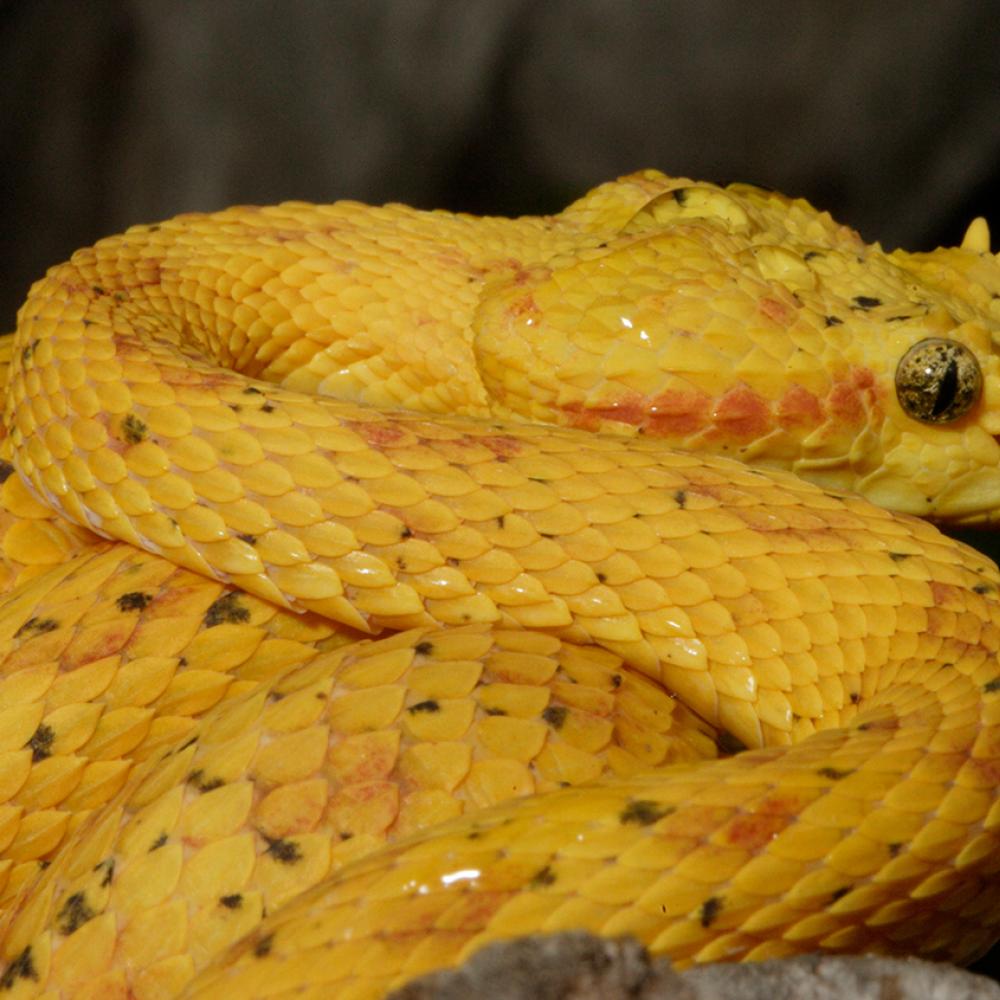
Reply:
x=577, y=966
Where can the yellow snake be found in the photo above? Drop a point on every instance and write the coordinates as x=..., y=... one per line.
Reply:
x=579, y=602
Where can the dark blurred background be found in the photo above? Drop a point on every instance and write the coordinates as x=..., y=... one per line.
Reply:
x=124, y=111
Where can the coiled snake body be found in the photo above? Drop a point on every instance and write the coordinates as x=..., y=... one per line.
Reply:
x=579, y=607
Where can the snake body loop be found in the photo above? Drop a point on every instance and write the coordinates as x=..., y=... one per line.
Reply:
x=501, y=450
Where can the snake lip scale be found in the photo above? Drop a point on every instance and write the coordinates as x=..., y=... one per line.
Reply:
x=381, y=583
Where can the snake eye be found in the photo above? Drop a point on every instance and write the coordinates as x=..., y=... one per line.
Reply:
x=938, y=381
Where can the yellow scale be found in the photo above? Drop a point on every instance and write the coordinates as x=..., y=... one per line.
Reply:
x=379, y=583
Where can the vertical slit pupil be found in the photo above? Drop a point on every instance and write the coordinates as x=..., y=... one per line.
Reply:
x=947, y=388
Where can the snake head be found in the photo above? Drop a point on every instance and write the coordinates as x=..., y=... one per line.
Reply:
x=941, y=450
x=738, y=321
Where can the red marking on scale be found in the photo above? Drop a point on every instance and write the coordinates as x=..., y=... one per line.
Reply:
x=217, y=378
x=97, y=642
x=742, y=413
x=524, y=306
x=753, y=830
x=171, y=601
x=799, y=407
x=502, y=445
x=945, y=594
x=364, y=758
x=76, y=287
x=175, y=375
x=378, y=434
x=631, y=409
x=986, y=770
x=776, y=311
x=473, y=911
x=422, y=916
x=679, y=412
x=579, y=416
x=370, y=791
x=373, y=805
x=852, y=398
x=452, y=260
x=519, y=274
x=693, y=821
x=36, y=648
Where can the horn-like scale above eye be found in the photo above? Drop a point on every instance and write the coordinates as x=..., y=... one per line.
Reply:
x=938, y=381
